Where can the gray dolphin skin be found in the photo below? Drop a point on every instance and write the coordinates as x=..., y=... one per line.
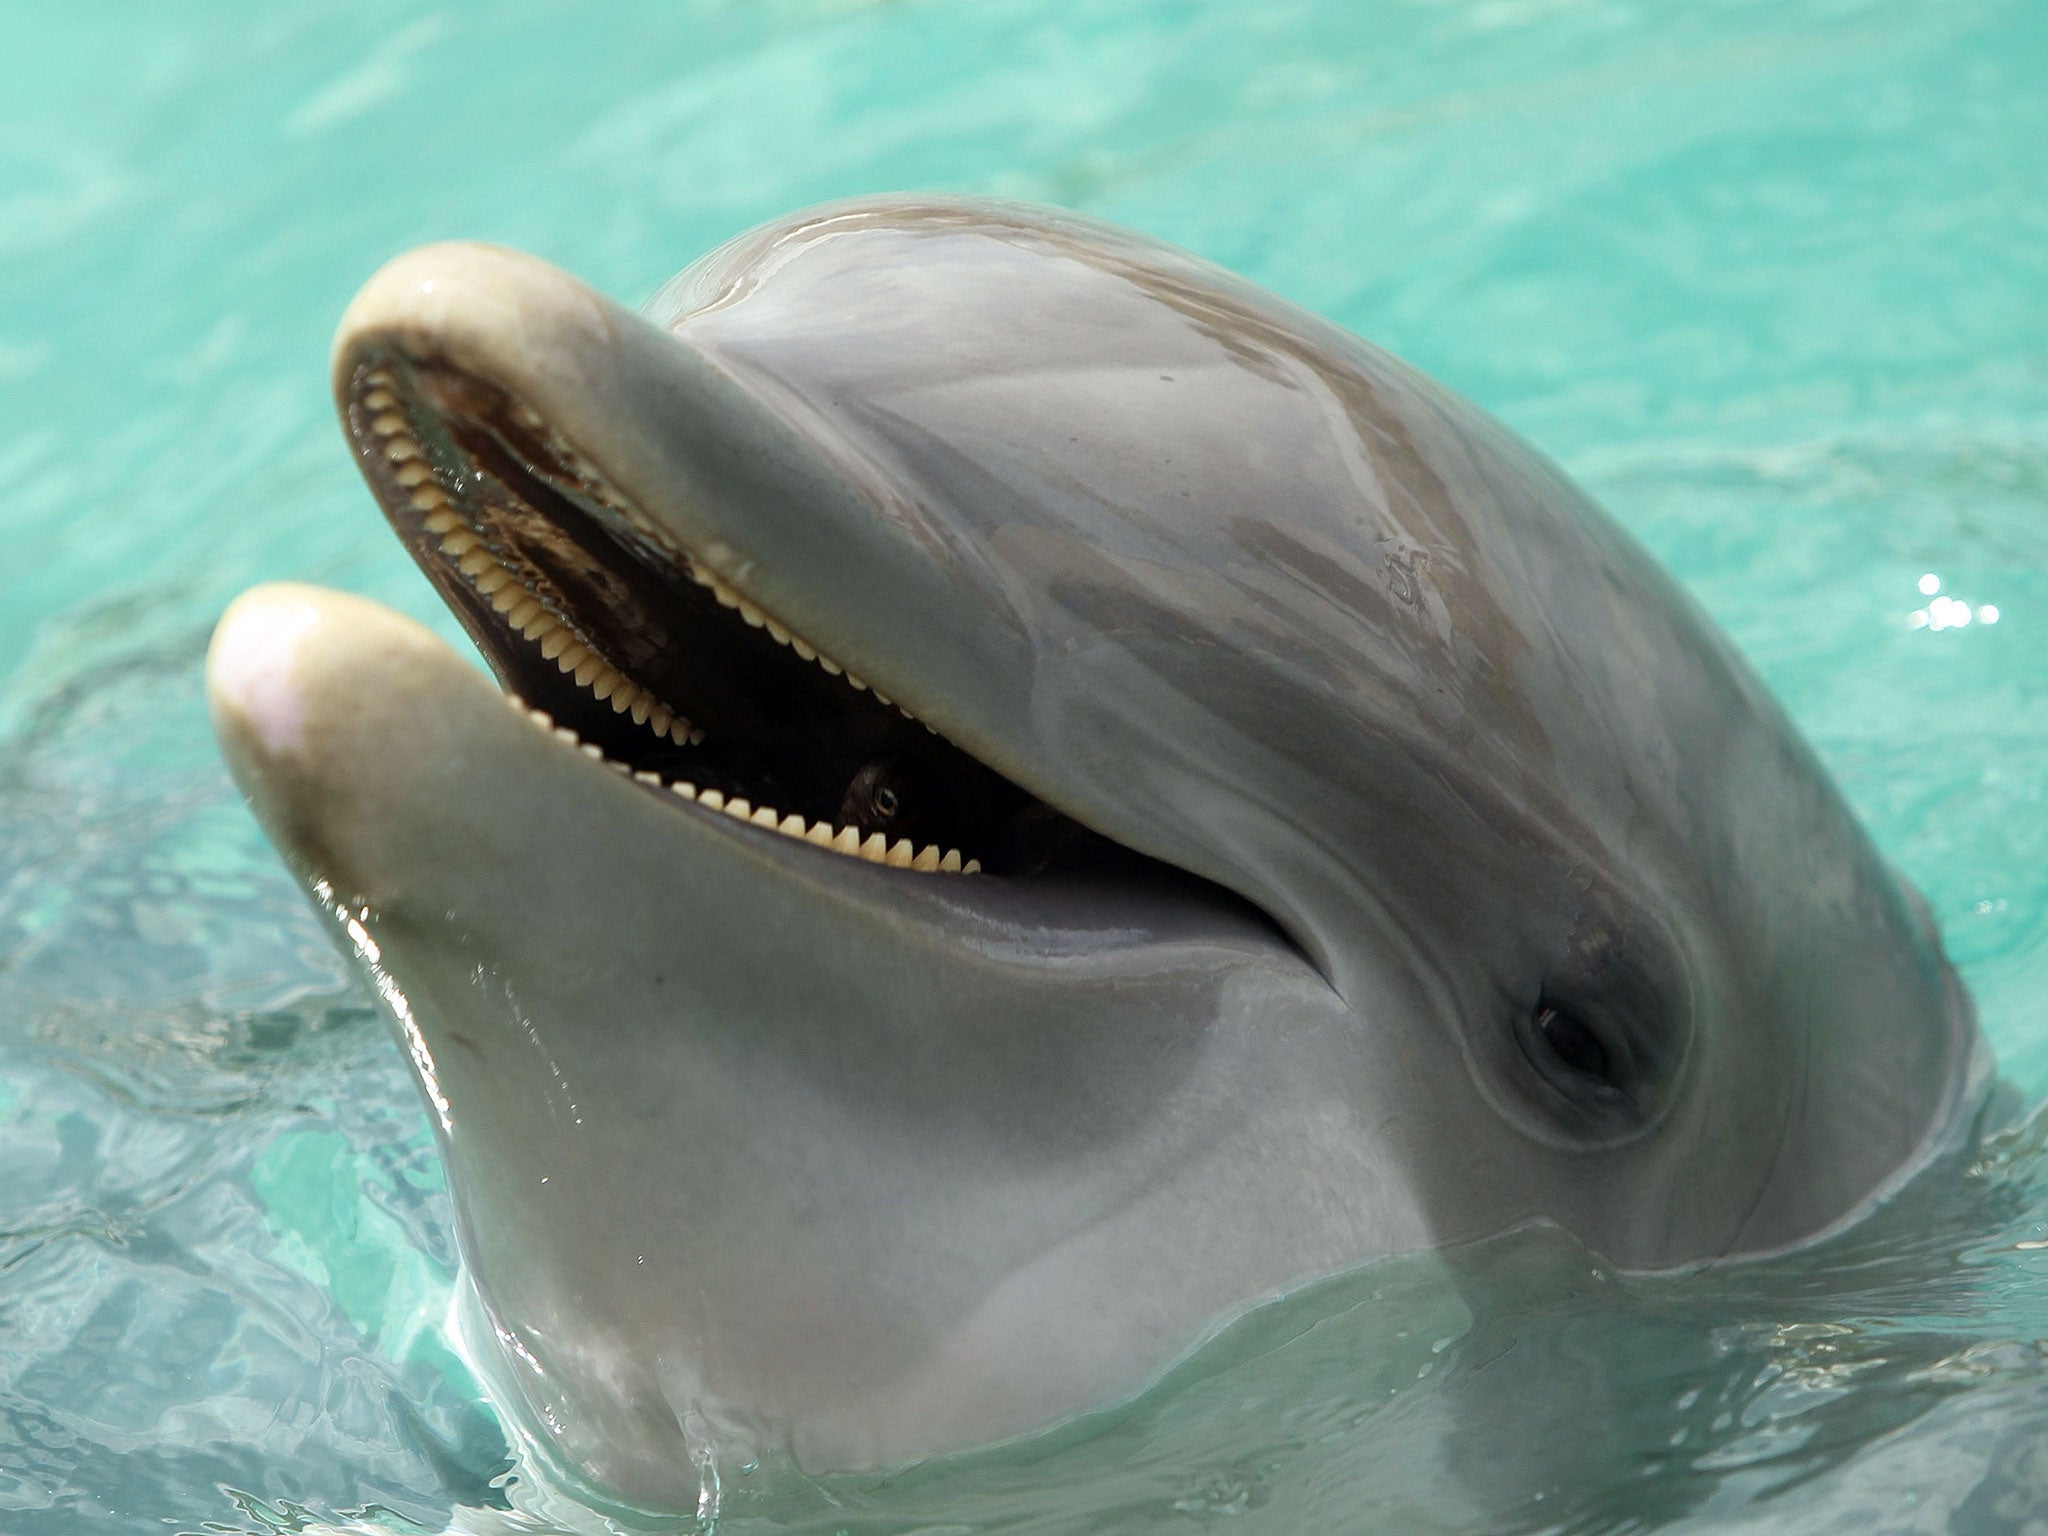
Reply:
x=1041, y=795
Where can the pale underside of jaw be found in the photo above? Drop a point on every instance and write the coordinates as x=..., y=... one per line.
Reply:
x=529, y=617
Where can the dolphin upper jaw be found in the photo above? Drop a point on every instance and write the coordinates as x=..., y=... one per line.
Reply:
x=734, y=485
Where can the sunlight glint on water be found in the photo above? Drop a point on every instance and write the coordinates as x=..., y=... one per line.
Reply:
x=1768, y=277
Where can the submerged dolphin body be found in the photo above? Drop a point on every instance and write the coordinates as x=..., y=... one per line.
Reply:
x=1321, y=835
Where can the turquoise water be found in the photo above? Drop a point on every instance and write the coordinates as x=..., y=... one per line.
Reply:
x=1770, y=277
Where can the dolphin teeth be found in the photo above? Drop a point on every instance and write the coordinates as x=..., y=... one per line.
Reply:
x=558, y=643
x=756, y=617
x=844, y=840
x=525, y=612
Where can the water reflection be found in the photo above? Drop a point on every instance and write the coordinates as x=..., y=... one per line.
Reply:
x=1946, y=611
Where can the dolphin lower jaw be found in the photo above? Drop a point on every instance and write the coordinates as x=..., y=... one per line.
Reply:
x=711, y=1103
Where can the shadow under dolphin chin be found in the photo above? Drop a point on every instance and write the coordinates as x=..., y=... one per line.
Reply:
x=1036, y=795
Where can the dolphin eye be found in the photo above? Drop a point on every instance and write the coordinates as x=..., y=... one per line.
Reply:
x=1571, y=1041
x=1588, y=1051
x=1588, y=1071
x=875, y=798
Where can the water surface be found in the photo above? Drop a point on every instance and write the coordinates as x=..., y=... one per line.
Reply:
x=1769, y=277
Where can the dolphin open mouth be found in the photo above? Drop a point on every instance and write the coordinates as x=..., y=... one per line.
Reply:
x=614, y=637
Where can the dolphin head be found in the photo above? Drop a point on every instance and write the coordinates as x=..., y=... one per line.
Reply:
x=1040, y=794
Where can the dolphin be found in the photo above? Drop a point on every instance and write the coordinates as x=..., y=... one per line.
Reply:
x=1036, y=795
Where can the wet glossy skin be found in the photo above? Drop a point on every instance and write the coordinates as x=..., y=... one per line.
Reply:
x=794, y=1150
